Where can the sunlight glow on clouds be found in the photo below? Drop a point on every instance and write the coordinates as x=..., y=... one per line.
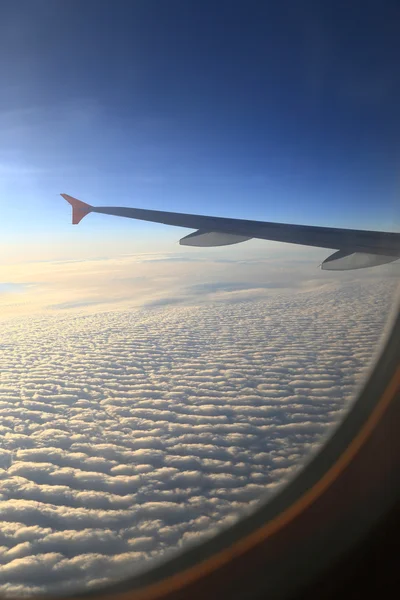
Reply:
x=132, y=281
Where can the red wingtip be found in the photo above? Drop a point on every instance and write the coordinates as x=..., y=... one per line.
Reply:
x=79, y=209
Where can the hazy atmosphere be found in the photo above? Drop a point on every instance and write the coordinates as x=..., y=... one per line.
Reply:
x=150, y=394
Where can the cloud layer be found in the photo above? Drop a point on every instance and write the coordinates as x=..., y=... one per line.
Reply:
x=154, y=280
x=127, y=435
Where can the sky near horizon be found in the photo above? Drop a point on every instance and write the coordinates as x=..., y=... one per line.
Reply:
x=252, y=110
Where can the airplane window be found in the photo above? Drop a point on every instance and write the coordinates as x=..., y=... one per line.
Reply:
x=155, y=394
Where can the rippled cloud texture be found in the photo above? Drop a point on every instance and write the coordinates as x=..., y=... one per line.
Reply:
x=126, y=434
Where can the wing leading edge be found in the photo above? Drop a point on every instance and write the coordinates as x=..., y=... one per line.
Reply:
x=356, y=248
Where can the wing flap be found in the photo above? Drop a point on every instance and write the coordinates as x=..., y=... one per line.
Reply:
x=212, y=238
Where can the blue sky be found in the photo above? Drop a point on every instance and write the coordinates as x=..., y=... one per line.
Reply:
x=263, y=110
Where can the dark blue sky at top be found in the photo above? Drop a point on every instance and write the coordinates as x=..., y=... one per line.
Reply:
x=272, y=110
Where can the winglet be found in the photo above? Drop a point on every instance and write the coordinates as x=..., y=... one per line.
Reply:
x=79, y=209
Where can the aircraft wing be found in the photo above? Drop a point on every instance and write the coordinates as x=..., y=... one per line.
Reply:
x=355, y=248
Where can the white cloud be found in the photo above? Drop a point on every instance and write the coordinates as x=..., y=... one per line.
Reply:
x=129, y=434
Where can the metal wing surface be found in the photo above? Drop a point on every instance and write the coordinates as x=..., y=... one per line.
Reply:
x=375, y=247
